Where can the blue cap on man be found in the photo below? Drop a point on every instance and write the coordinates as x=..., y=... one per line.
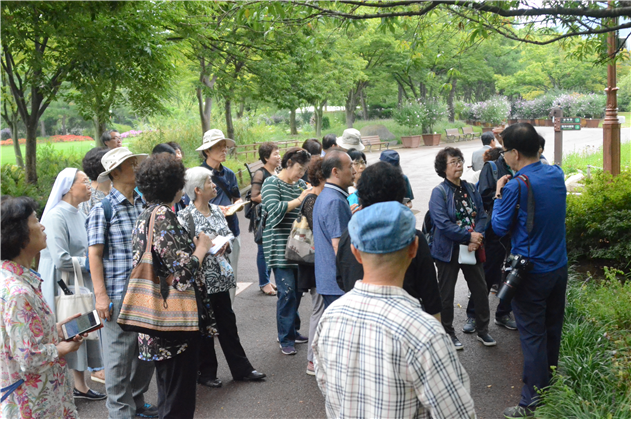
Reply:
x=382, y=228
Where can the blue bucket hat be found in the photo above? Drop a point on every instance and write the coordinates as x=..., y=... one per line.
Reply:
x=390, y=156
x=382, y=228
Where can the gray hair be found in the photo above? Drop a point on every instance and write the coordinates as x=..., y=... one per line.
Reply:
x=196, y=178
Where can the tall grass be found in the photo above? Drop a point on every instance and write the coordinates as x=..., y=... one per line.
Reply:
x=578, y=160
x=593, y=380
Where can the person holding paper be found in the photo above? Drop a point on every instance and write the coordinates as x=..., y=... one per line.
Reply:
x=219, y=279
x=458, y=219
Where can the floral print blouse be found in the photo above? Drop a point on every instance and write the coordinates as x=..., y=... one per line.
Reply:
x=217, y=271
x=173, y=245
x=465, y=208
x=28, y=339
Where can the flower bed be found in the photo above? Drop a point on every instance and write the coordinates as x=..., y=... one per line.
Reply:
x=54, y=138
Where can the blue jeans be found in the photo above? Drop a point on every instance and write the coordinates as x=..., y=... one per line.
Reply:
x=262, y=267
x=539, y=307
x=287, y=318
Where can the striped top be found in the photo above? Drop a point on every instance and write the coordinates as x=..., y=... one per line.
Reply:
x=276, y=194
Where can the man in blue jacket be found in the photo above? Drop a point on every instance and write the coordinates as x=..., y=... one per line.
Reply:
x=539, y=301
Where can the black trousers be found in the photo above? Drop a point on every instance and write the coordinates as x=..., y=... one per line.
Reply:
x=177, y=382
x=474, y=275
x=496, y=251
x=228, y=339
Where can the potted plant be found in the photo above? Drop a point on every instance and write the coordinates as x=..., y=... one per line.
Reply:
x=410, y=116
x=434, y=110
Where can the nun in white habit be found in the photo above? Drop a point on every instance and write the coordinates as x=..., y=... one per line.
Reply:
x=66, y=237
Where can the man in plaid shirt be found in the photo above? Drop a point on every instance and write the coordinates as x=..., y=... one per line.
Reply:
x=377, y=354
x=127, y=377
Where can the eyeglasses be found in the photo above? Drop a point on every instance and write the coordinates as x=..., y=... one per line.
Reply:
x=456, y=162
x=360, y=162
x=507, y=151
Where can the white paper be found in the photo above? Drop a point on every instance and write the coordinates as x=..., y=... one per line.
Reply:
x=219, y=242
x=466, y=256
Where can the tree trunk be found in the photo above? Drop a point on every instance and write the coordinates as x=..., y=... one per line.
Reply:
x=400, y=99
x=241, y=110
x=292, y=122
x=99, y=129
x=318, y=111
x=422, y=90
x=364, y=106
x=16, y=142
x=229, y=125
x=31, y=151
x=450, y=101
x=351, y=105
x=64, y=130
x=205, y=106
x=43, y=128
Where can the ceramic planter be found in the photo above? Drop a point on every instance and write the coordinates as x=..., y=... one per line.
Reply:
x=431, y=139
x=411, y=141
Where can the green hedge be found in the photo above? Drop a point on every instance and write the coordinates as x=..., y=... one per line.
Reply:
x=599, y=221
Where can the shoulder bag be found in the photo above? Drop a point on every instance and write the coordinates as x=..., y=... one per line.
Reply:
x=81, y=301
x=300, y=247
x=153, y=307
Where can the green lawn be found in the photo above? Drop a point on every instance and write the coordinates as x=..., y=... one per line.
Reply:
x=7, y=155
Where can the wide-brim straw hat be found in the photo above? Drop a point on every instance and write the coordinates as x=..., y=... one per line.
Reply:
x=115, y=157
x=212, y=137
x=351, y=138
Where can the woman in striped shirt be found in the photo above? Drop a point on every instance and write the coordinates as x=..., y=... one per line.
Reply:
x=282, y=198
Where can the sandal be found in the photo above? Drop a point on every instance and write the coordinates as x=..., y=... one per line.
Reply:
x=267, y=291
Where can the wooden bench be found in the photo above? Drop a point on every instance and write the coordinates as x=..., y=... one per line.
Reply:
x=371, y=140
x=253, y=167
x=467, y=132
x=453, y=135
x=253, y=149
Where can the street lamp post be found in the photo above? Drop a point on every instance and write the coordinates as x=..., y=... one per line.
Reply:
x=611, y=126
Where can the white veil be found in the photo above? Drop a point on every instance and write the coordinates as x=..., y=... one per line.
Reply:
x=60, y=188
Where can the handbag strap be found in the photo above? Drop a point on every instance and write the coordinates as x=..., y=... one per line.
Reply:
x=78, y=275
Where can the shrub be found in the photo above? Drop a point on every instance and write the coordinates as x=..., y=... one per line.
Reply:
x=590, y=106
x=421, y=115
x=381, y=111
x=598, y=222
x=495, y=110
x=5, y=134
x=49, y=163
x=326, y=123
x=409, y=115
x=594, y=373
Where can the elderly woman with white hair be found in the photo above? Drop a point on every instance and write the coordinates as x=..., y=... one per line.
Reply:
x=219, y=278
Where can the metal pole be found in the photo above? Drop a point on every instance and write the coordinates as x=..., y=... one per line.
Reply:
x=611, y=126
x=558, y=137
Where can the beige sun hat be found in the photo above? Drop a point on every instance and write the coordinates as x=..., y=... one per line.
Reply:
x=351, y=138
x=115, y=157
x=212, y=137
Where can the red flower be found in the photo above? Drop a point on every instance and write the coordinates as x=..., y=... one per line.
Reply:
x=32, y=380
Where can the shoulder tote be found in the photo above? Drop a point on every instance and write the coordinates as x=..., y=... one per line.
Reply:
x=300, y=246
x=81, y=301
x=153, y=307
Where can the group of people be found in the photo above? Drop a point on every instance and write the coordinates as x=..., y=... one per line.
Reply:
x=381, y=339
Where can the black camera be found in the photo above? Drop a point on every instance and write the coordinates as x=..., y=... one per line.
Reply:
x=516, y=266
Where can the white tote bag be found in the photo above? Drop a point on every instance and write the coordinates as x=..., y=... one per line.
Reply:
x=82, y=301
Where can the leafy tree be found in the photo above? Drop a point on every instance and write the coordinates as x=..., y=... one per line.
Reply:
x=47, y=43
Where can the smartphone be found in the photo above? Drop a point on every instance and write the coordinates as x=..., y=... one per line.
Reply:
x=85, y=323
